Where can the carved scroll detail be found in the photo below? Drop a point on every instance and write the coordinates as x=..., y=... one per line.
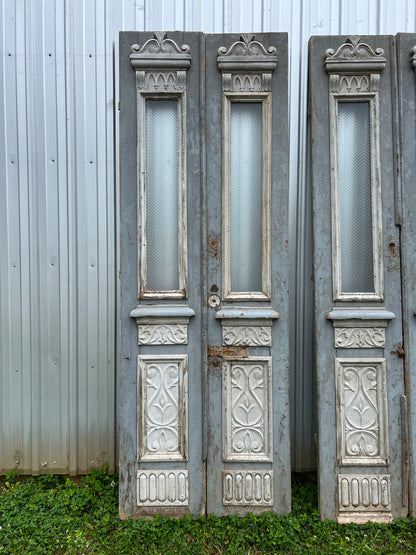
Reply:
x=354, y=49
x=247, y=410
x=359, y=338
x=247, y=335
x=162, y=488
x=174, y=334
x=253, y=487
x=163, y=402
x=362, y=414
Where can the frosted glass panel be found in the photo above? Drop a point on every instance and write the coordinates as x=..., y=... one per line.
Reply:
x=162, y=189
x=354, y=169
x=246, y=196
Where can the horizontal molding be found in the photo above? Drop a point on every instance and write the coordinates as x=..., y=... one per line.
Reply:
x=360, y=317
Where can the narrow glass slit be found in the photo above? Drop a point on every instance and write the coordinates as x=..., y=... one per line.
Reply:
x=246, y=162
x=355, y=202
x=162, y=195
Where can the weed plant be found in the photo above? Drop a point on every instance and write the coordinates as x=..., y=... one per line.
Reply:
x=49, y=514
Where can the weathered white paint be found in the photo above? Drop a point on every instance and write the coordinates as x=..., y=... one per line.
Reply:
x=59, y=209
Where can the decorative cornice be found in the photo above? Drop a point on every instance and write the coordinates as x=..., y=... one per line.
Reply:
x=247, y=66
x=245, y=55
x=160, y=53
x=354, y=57
x=413, y=58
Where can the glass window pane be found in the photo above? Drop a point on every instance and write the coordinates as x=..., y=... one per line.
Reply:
x=354, y=182
x=162, y=190
x=246, y=196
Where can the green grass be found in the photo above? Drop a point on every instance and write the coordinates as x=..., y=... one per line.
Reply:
x=52, y=515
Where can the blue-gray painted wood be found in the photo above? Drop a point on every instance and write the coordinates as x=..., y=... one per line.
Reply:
x=59, y=74
x=249, y=309
x=407, y=110
x=328, y=465
x=129, y=398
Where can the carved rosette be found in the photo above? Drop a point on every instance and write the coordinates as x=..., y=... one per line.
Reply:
x=246, y=66
x=359, y=338
x=160, y=64
x=354, y=67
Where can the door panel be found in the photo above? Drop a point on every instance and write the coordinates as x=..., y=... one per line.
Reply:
x=358, y=320
x=204, y=404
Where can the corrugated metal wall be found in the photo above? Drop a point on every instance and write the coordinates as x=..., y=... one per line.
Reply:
x=59, y=209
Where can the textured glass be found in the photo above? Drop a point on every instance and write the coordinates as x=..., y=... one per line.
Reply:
x=246, y=196
x=162, y=191
x=354, y=181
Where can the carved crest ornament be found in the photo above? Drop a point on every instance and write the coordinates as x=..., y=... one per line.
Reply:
x=246, y=66
x=160, y=64
x=354, y=67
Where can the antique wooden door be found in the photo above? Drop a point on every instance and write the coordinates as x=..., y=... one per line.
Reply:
x=204, y=377
x=357, y=275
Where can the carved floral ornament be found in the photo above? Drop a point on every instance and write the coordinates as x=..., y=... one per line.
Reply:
x=246, y=65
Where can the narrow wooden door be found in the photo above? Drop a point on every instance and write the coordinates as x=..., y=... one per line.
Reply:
x=357, y=277
x=248, y=451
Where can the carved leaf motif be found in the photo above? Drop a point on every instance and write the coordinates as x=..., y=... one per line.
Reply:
x=163, y=334
x=247, y=415
x=247, y=335
x=162, y=425
x=361, y=423
x=351, y=338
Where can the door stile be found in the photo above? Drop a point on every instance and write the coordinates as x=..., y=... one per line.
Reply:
x=406, y=71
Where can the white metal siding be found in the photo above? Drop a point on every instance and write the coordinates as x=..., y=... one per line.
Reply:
x=59, y=208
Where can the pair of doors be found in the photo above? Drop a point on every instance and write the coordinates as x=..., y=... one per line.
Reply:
x=204, y=376
x=204, y=373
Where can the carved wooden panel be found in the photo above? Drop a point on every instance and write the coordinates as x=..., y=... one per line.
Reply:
x=253, y=487
x=361, y=412
x=163, y=334
x=255, y=336
x=247, y=417
x=163, y=407
x=359, y=338
x=162, y=488
x=365, y=494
